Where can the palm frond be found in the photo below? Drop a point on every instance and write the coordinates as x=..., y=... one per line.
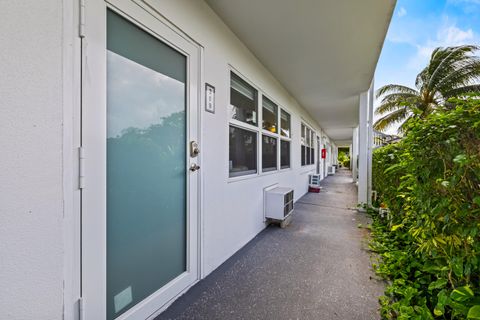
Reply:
x=394, y=88
x=387, y=107
x=391, y=119
x=462, y=91
x=445, y=61
x=421, y=79
x=401, y=98
x=466, y=75
x=452, y=71
x=436, y=58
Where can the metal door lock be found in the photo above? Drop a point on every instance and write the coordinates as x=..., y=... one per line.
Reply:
x=194, y=167
x=194, y=149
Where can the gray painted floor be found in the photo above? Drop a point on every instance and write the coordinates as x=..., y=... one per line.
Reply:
x=316, y=268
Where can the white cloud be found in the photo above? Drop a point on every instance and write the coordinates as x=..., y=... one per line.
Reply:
x=402, y=12
x=468, y=6
x=453, y=35
x=464, y=1
x=447, y=35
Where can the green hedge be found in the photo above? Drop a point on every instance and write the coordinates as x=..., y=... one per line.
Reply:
x=429, y=244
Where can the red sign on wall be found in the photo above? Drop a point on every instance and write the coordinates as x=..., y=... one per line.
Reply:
x=324, y=153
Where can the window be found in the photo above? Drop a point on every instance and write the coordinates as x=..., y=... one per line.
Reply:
x=243, y=152
x=312, y=148
x=246, y=129
x=285, y=139
x=285, y=154
x=269, y=115
x=308, y=146
x=243, y=101
x=269, y=153
x=303, y=142
x=243, y=139
x=285, y=124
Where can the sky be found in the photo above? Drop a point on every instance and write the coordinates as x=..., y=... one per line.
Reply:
x=418, y=27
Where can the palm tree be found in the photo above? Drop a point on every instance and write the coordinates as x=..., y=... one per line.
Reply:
x=451, y=72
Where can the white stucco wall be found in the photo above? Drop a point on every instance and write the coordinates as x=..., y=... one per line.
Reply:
x=33, y=243
x=31, y=270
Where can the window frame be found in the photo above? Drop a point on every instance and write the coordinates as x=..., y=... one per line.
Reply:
x=278, y=135
x=307, y=142
x=259, y=131
x=246, y=173
x=277, y=108
x=256, y=100
x=284, y=138
x=231, y=122
x=270, y=169
x=289, y=154
x=289, y=124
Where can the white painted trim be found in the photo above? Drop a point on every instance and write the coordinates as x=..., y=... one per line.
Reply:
x=201, y=173
x=243, y=125
x=363, y=149
x=71, y=63
x=94, y=224
x=370, y=143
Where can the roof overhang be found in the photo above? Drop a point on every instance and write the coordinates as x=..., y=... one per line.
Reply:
x=324, y=52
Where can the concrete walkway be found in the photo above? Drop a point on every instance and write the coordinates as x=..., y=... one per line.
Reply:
x=316, y=268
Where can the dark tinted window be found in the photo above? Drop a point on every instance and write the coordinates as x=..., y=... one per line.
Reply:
x=303, y=155
x=285, y=154
x=269, y=153
x=243, y=152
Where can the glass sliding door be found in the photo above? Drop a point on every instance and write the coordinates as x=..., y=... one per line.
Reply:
x=146, y=165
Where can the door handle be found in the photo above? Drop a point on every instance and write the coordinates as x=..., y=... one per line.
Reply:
x=194, y=167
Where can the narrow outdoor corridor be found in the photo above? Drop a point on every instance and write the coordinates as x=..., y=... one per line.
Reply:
x=316, y=268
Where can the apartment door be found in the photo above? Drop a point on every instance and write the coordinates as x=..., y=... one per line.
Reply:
x=139, y=202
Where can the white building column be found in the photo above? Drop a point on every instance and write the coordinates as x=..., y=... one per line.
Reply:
x=335, y=154
x=350, y=149
x=365, y=146
x=354, y=156
x=371, y=98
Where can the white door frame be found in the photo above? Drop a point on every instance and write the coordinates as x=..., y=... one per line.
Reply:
x=94, y=128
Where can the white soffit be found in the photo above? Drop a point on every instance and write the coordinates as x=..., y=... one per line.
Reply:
x=323, y=51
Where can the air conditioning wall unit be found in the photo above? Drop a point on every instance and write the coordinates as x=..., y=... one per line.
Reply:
x=278, y=203
x=331, y=170
x=314, y=179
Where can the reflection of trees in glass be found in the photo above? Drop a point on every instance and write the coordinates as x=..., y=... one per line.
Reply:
x=146, y=190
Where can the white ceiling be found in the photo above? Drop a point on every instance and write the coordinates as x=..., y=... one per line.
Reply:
x=323, y=51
